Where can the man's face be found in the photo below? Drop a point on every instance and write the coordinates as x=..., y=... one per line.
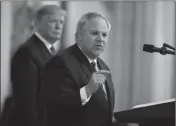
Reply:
x=94, y=37
x=50, y=26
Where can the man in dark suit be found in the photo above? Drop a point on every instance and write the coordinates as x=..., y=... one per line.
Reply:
x=28, y=63
x=78, y=89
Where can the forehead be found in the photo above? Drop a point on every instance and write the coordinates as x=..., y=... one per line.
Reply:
x=54, y=16
x=51, y=11
x=96, y=23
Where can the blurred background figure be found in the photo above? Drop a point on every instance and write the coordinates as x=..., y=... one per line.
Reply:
x=28, y=62
x=138, y=77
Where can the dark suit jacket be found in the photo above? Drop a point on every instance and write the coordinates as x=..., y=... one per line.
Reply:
x=64, y=76
x=26, y=73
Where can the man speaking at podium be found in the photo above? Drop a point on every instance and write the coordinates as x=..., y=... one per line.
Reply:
x=78, y=89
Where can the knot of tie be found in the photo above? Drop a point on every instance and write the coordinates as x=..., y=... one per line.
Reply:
x=53, y=51
x=93, y=64
x=101, y=89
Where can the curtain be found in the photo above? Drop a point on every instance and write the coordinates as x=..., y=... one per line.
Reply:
x=5, y=50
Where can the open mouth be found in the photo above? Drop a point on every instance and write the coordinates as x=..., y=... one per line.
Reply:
x=99, y=46
x=57, y=33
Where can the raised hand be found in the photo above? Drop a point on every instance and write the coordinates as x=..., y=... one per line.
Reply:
x=97, y=79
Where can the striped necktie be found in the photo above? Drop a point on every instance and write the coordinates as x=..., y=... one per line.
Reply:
x=53, y=51
x=93, y=64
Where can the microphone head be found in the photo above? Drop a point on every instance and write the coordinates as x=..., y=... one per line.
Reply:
x=148, y=48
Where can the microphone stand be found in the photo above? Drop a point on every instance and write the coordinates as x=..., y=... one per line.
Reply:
x=165, y=51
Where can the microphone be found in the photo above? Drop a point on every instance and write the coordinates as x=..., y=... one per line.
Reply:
x=151, y=48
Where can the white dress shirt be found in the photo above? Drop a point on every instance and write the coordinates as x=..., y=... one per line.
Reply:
x=46, y=43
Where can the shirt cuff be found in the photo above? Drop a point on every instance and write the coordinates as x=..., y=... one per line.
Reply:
x=83, y=94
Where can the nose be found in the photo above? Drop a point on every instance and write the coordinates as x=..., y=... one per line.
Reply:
x=58, y=25
x=100, y=38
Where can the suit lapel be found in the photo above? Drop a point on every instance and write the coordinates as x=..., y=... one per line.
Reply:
x=108, y=84
x=84, y=63
x=41, y=51
x=42, y=47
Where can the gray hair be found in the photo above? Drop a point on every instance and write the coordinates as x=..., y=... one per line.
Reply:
x=49, y=10
x=86, y=17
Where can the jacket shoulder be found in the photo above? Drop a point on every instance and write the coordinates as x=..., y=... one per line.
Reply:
x=25, y=50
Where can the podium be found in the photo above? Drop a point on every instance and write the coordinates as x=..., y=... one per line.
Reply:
x=152, y=114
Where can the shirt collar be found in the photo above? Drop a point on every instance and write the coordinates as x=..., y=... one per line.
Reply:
x=90, y=60
x=47, y=44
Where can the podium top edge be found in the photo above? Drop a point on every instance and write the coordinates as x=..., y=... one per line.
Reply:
x=154, y=103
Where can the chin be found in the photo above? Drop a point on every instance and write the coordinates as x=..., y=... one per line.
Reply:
x=57, y=38
x=97, y=53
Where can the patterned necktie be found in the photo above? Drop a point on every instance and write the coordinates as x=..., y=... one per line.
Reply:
x=93, y=64
x=53, y=51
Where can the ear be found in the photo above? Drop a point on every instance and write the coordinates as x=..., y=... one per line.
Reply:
x=36, y=23
x=78, y=37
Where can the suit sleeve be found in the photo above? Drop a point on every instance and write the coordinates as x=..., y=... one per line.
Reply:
x=24, y=82
x=60, y=87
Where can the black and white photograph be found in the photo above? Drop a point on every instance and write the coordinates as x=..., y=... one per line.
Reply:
x=88, y=63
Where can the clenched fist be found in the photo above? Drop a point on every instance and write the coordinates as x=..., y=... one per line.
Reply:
x=97, y=79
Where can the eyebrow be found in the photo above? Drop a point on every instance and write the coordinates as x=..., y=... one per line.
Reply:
x=98, y=30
